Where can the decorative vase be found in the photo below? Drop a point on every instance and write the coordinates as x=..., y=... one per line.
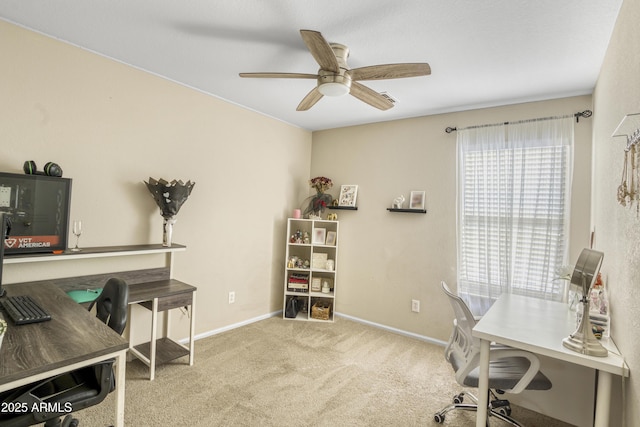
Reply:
x=167, y=231
x=318, y=204
x=169, y=196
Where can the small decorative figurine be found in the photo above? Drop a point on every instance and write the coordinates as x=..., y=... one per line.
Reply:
x=398, y=202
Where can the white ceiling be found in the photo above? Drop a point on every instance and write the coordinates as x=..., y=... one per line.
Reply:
x=482, y=52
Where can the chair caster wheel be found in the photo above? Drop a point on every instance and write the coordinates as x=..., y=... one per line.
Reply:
x=458, y=398
x=439, y=418
x=69, y=421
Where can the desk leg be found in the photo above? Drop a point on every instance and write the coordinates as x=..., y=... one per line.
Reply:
x=603, y=399
x=192, y=329
x=483, y=385
x=121, y=363
x=154, y=337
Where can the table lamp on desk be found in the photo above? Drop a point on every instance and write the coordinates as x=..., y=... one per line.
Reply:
x=5, y=229
x=584, y=276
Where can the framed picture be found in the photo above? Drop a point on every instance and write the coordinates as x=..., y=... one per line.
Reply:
x=319, y=236
x=316, y=284
x=331, y=238
x=417, y=200
x=348, y=194
x=319, y=261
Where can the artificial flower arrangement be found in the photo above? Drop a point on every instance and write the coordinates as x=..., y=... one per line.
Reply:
x=321, y=184
x=321, y=199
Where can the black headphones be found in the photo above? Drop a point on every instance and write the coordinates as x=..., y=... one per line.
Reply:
x=50, y=169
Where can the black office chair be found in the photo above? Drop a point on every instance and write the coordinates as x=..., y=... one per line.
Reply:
x=111, y=305
x=510, y=369
x=79, y=389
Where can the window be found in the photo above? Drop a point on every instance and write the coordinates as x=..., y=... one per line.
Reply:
x=513, y=209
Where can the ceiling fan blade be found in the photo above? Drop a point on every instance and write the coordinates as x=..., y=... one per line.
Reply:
x=321, y=50
x=280, y=75
x=390, y=71
x=370, y=96
x=310, y=100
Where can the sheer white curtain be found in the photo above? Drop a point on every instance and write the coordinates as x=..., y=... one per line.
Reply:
x=514, y=188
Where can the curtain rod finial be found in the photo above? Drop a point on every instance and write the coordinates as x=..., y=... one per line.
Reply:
x=450, y=129
x=585, y=114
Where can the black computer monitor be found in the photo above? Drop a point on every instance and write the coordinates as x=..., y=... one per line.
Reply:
x=39, y=209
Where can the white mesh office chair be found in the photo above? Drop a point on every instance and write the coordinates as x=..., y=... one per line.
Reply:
x=510, y=369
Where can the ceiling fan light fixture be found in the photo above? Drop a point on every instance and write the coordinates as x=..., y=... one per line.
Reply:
x=335, y=78
x=334, y=89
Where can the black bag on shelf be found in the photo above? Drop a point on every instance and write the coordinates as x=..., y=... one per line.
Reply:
x=291, y=309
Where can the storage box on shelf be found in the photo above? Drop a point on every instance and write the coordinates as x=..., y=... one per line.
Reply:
x=310, y=269
x=321, y=308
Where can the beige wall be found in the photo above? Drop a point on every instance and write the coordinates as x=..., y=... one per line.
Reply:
x=111, y=126
x=388, y=259
x=617, y=228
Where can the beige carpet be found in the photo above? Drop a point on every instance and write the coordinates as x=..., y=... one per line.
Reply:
x=287, y=373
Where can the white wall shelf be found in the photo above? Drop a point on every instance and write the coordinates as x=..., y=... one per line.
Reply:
x=422, y=211
x=95, y=252
x=344, y=208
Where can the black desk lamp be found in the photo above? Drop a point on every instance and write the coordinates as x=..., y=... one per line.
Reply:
x=584, y=276
x=5, y=229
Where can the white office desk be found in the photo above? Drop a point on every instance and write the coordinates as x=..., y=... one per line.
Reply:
x=539, y=326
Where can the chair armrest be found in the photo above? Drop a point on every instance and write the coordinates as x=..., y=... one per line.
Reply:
x=529, y=375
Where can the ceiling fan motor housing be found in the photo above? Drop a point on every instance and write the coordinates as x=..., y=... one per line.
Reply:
x=336, y=84
x=331, y=84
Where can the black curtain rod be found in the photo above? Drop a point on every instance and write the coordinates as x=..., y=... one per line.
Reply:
x=585, y=114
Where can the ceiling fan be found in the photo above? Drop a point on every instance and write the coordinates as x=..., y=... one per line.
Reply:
x=335, y=78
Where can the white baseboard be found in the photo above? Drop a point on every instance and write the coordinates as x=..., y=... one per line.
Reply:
x=279, y=313
x=230, y=327
x=394, y=330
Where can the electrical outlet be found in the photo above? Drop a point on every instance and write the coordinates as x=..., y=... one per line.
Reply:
x=232, y=297
x=415, y=306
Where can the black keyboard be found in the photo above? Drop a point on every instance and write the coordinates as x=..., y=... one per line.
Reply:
x=22, y=309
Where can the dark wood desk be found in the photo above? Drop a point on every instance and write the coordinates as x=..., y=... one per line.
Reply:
x=73, y=338
x=158, y=296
